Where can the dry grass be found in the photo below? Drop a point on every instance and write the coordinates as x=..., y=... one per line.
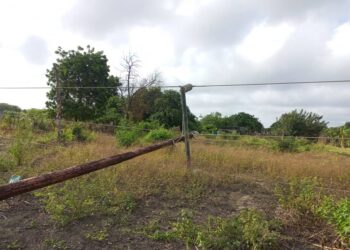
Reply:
x=162, y=176
x=166, y=168
x=331, y=168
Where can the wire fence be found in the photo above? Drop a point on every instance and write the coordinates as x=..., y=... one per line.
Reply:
x=203, y=136
x=223, y=135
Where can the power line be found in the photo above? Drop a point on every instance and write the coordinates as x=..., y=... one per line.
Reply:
x=194, y=85
x=218, y=136
x=271, y=83
x=83, y=87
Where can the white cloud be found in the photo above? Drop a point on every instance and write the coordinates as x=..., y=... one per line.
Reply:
x=340, y=42
x=202, y=42
x=264, y=41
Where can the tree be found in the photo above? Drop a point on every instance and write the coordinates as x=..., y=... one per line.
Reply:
x=299, y=123
x=132, y=81
x=113, y=111
x=76, y=70
x=168, y=111
x=143, y=104
x=212, y=122
x=4, y=107
x=244, y=122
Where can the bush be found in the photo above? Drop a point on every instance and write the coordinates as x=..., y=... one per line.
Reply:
x=288, y=144
x=249, y=230
x=22, y=143
x=129, y=133
x=127, y=138
x=300, y=195
x=40, y=120
x=6, y=163
x=77, y=132
x=229, y=136
x=256, y=142
x=338, y=214
x=79, y=198
x=160, y=134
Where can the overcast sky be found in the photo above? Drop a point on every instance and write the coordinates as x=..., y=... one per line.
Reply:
x=189, y=41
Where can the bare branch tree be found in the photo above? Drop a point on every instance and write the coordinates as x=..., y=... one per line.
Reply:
x=131, y=79
x=154, y=79
x=129, y=64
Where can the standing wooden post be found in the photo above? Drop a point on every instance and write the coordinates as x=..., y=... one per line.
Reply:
x=58, y=107
x=185, y=133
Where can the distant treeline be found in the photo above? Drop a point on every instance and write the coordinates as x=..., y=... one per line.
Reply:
x=90, y=93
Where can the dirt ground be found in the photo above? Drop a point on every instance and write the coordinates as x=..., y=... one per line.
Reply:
x=25, y=225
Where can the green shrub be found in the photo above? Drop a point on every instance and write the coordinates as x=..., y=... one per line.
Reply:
x=6, y=163
x=40, y=119
x=87, y=196
x=229, y=136
x=256, y=142
x=249, y=230
x=304, y=197
x=77, y=132
x=338, y=214
x=287, y=144
x=148, y=125
x=21, y=145
x=300, y=195
x=160, y=134
x=127, y=138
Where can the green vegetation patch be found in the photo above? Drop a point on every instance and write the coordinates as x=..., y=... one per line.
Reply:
x=248, y=230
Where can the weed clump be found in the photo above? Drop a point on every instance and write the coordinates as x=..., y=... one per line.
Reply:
x=306, y=198
x=77, y=199
x=160, y=134
x=337, y=213
x=249, y=230
x=6, y=163
x=130, y=134
x=77, y=132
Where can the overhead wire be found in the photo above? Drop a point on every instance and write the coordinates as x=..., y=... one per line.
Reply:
x=193, y=85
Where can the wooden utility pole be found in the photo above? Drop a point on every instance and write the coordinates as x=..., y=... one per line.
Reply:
x=33, y=183
x=58, y=106
x=185, y=132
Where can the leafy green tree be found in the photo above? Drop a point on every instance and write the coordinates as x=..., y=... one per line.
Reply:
x=4, y=107
x=167, y=111
x=113, y=111
x=212, y=122
x=76, y=69
x=299, y=123
x=244, y=122
x=143, y=103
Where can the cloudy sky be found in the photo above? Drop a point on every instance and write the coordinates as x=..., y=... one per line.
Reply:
x=192, y=41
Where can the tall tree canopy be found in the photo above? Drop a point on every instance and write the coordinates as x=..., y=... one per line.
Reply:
x=4, y=107
x=242, y=122
x=81, y=68
x=167, y=111
x=143, y=103
x=245, y=122
x=299, y=123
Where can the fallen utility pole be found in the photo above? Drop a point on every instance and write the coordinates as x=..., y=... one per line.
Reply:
x=33, y=183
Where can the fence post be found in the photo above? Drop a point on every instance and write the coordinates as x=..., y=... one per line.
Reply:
x=58, y=107
x=185, y=130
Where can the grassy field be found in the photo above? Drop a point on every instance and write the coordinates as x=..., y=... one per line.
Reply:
x=238, y=195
